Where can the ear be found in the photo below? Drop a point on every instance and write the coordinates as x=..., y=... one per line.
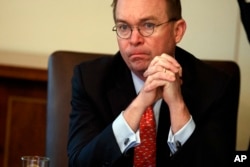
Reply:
x=179, y=30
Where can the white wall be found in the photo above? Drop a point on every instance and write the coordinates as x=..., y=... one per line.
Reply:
x=37, y=28
x=44, y=25
x=211, y=31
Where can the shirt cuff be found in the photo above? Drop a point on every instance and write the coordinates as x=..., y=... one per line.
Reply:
x=175, y=141
x=125, y=136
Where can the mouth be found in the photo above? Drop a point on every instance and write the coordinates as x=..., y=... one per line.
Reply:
x=138, y=55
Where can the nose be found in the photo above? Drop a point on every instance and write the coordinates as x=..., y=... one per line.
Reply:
x=136, y=38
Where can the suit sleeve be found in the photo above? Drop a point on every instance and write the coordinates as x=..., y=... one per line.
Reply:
x=213, y=141
x=91, y=140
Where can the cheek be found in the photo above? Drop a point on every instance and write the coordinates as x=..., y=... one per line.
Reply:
x=122, y=45
x=158, y=46
x=122, y=49
x=163, y=44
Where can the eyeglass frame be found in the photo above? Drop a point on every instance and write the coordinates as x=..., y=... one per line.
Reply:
x=138, y=28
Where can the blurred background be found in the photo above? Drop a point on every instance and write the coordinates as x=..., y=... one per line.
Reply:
x=31, y=30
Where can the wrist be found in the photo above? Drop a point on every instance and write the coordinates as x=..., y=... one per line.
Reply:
x=179, y=115
x=176, y=105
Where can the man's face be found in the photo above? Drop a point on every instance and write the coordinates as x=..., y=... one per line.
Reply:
x=138, y=51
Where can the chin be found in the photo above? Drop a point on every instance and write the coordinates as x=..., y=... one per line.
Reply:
x=139, y=68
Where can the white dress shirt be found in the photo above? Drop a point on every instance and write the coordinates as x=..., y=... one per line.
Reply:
x=126, y=138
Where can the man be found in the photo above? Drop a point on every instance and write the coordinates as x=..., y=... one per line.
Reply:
x=112, y=95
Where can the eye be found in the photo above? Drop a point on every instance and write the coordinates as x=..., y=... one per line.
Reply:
x=122, y=27
x=149, y=26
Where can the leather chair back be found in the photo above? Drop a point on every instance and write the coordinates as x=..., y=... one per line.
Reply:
x=60, y=71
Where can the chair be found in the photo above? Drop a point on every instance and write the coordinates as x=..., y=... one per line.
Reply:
x=60, y=70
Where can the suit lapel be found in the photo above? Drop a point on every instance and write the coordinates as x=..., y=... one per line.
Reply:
x=122, y=91
x=189, y=76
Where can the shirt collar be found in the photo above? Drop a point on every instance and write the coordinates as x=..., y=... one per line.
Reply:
x=138, y=83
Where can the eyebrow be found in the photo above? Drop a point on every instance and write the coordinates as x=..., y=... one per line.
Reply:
x=152, y=18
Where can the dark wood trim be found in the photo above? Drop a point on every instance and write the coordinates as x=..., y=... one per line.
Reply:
x=24, y=73
x=23, y=97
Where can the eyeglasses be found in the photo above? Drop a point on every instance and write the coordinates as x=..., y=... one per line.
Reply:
x=124, y=30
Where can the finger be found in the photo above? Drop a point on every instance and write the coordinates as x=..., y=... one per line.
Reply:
x=180, y=72
x=161, y=66
x=166, y=61
x=166, y=58
x=160, y=73
x=170, y=59
x=159, y=79
x=152, y=70
x=155, y=84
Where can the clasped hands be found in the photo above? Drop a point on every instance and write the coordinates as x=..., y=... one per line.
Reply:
x=163, y=80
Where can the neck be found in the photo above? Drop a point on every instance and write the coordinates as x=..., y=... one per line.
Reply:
x=140, y=75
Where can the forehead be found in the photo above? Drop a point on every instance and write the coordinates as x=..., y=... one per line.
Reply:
x=136, y=10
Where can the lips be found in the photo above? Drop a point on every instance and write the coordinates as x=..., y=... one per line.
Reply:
x=138, y=56
x=138, y=53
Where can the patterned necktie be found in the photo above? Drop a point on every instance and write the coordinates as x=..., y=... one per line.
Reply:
x=145, y=153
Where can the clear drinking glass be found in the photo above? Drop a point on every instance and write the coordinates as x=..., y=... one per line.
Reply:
x=35, y=161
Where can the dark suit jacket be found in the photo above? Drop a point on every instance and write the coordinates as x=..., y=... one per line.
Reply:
x=103, y=88
x=245, y=16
